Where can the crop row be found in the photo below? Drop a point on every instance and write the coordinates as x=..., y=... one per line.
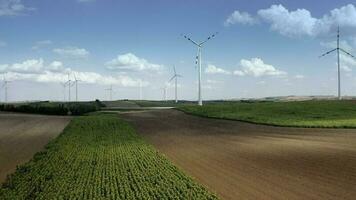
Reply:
x=100, y=157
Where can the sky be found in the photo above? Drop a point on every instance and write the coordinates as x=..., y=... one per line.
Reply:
x=263, y=48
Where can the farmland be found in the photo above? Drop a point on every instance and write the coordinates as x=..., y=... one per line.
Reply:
x=97, y=157
x=22, y=135
x=241, y=160
x=322, y=113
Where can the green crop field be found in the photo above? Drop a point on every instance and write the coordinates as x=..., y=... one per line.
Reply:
x=100, y=157
x=328, y=114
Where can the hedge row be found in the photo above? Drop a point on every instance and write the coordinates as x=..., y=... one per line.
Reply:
x=52, y=109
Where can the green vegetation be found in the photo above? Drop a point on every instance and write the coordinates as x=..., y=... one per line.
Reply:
x=170, y=103
x=53, y=108
x=332, y=114
x=100, y=157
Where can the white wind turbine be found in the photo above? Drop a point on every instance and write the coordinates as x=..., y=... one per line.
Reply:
x=200, y=46
x=164, y=89
x=338, y=49
x=76, y=80
x=175, y=77
x=5, y=86
x=69, y=83
x=64, y=85
x=110, y=91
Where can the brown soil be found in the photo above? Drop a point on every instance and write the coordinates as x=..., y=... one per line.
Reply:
x=22, y=135
x=245, y=161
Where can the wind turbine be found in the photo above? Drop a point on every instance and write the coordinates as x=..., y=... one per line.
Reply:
x=5, y=86
x=164, y=89
x=76, y=87
x=110, y=92
x=200, y=46
x=175, y=77
x=338, y=49
x=70, y=83
x=64, y=85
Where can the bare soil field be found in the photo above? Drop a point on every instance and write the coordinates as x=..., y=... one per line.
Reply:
x=245, y=161
x=22, y=135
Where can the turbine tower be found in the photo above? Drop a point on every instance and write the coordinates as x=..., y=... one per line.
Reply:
x=110, y=92
x=338, y=49
x=164, y=89
x=200, y=46
x=64, y=85
x=175, y=77
x=76, y=80
x=70, y=83
x=5, y=86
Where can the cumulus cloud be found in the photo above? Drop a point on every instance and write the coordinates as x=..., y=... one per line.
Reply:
x=30, y=66
x=13, y=7
x=212, y=69
x=40, y=44
x=300, y=22
x=55, y=72
x=241, y=18
x=256, y=67
x=73, y=52
x=130, y=61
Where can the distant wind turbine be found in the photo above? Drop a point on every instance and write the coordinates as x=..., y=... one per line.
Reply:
x=199, y=62
x=164, y=89
x=64, y=85
x=175, y=77
x=69, y=83
x=5, y=86
x=110, y=91
x=338, y=49
x=76, y=80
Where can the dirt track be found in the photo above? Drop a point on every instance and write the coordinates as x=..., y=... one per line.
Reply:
x=244, y=161
x=22, y=135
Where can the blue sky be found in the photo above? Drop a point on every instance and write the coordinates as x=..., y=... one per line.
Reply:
x=264, y=48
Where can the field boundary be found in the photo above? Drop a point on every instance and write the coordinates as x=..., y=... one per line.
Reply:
x=267, y=124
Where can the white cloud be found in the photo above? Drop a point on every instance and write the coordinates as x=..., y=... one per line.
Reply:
x=13, y=7
x=30, y=66
x=130, y=61
x=73, y=52
x=300, y=22
x=212, y=69
x=241, y=18
x=55, y=72
x=256, y=67
x=290, y=23
x=299, y=76
x=41, y=43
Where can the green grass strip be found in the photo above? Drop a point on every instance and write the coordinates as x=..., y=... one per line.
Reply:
x=317, y=114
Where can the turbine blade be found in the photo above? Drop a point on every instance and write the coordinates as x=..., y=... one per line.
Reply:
x=209, y=38
x=347, y=53
x=174, y=69
x=327, y=53
x=188, y=38
x=172, y=78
